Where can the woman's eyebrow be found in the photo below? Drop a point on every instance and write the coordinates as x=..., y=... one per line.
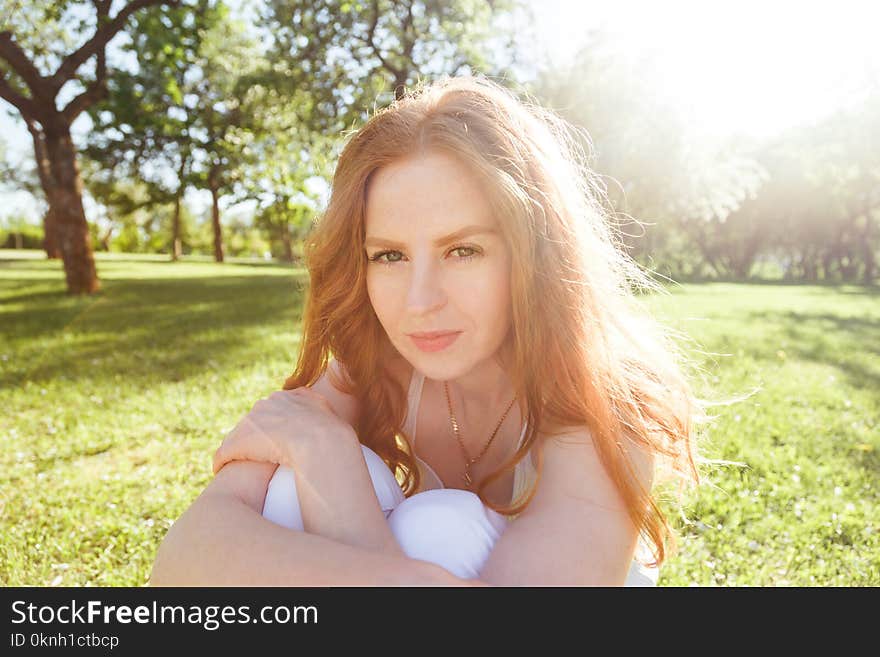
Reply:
x=467, y=231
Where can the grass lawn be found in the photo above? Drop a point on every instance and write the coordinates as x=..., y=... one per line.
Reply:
x=115, y=403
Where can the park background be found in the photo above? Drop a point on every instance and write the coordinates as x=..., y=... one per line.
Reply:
x=161, y=162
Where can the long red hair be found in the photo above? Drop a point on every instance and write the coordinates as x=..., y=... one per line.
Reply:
x=585, y=353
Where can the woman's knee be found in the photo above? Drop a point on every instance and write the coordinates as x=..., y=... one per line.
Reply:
x=449, y=527
x=281, y=505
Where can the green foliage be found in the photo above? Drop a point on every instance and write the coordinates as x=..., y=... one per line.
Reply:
x=254, y=99
x=121, y=398
x=358, y=55
x=243, y=241
x=49, y=30
x=692, y=205
x=18, y=233
x=176, y=120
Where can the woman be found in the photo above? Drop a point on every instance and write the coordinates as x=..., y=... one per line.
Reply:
x=466, y=282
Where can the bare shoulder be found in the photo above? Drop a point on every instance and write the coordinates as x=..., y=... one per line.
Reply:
x=346, y=404
x=330, y=384
x=571, y=455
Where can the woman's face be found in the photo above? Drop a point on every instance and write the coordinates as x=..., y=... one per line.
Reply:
x=437, y=262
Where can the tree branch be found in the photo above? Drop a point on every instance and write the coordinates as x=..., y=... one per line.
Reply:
x=371, y=31
x=21, y=64
x=99, y=40
x=44, y=170
x=95, y=92
x=408, y=31
x=25, y=105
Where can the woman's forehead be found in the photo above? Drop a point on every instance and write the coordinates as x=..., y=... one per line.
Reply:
x=431, y=194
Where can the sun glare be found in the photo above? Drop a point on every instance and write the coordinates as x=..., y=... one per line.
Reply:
x=745, y=67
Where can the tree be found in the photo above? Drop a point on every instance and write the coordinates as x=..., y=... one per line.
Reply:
x=29, y=44
x=670, y=191
x=144, y=128
x=228, y=60
x=180, y=119
x=330, y=63
x=823, y=196
x=847, y=163
x=355, y=52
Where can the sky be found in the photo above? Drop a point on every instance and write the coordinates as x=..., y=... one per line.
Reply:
x=749, y=67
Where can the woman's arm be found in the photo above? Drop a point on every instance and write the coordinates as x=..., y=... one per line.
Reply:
x=334, y=490
x=222, y=540
x=577, y=515
x=336, y=495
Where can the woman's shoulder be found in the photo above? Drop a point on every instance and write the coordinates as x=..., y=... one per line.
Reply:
x=566, y=440
x=339, y=382
x=336, y=387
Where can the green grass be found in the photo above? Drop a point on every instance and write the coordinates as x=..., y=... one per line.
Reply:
x=114, y=404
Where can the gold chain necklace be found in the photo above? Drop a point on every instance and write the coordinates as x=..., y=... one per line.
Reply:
x=467, y=459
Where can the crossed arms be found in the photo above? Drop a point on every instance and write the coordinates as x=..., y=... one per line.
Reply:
x=575, y=531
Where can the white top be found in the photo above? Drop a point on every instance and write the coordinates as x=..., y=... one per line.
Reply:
x=524, y=476
x=524, y=473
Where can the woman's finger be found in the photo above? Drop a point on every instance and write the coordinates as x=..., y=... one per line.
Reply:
x=308, y=393
x=245, y=442
x=219, y=459
x=265, y=434
x=244, y=448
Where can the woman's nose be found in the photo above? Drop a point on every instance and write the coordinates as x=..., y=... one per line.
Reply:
x=426, y=291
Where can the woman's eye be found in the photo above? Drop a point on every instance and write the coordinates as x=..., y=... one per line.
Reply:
x=378, y=257
x=465, y=248
x=390, y=257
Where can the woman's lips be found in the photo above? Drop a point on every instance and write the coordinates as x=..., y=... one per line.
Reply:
x=437, y=343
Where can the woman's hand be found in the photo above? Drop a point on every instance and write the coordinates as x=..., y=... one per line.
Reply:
x=298, y=428
x=283, y=428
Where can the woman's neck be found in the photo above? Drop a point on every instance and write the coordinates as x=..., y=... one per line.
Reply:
x=482, y=395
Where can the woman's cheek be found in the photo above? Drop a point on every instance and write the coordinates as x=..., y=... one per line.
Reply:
x=384, y=295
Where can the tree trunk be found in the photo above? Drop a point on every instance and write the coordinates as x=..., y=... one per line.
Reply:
x=708, y=256
x=848, y=270
x=175, y=230
x=50, y=236
x=44, y=172
x=811, y=271
x=287, y=242
x=105, y=240
x=215, y=221
x=50, y=128
x=400, y=85
x=67, y=214
x=176, y=244
x=868, y=249
x=827, y=259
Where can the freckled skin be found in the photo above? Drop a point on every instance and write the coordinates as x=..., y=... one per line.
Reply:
x=427, y=287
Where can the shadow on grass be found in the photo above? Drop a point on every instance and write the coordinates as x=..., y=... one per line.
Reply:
x=13, y=261
x=30, y=296
x=868, y=460
x=841, y=342
x=138, y=328
x=848, y=287
x=206, y=260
